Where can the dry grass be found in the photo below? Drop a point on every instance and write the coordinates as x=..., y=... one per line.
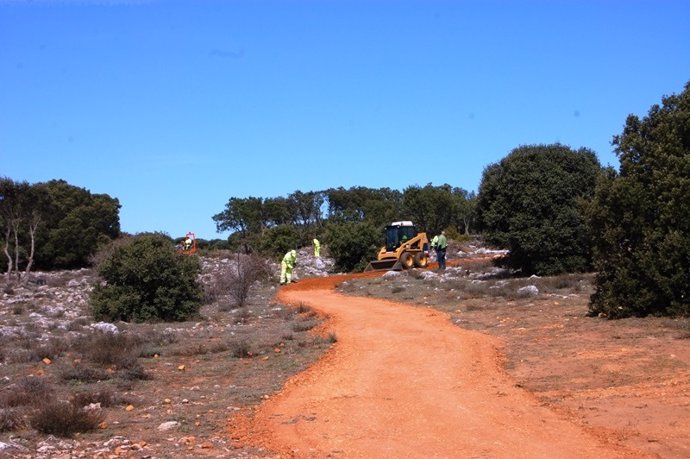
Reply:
x=11, y=419
x=28, y=391
x=64, y=419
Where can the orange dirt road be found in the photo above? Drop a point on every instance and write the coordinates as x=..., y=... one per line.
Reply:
x=403, y=382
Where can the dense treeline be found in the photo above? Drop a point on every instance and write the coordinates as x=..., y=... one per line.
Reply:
x=53, y=225
x=350, y=221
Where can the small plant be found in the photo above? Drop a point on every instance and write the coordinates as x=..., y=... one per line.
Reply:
x=104, y=396
x=240, y=349
x=84, y=373
x=110, y=349
x=10, y=419
x=64, y=419
x=303, y=309
x=28, y=391
x=303, y=326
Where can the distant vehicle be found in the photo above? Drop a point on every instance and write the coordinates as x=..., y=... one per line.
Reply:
x=405, y=248
x=188, y=245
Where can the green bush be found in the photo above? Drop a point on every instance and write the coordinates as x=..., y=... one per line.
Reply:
x=145, y=279
x=353, y=244
x=531, y=204
x=640, y=217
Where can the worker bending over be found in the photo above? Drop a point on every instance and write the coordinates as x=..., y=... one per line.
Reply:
x=286, y=267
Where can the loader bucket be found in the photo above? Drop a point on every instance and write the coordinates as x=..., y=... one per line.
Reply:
x=384, y=265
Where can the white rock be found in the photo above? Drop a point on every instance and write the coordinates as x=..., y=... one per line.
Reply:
x=170, y=425
x=105, y=327
x=530, y=290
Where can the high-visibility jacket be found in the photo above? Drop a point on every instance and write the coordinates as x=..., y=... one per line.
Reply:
x=290, y=259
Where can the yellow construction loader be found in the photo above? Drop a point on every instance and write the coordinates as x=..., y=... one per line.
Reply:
x=405, y=248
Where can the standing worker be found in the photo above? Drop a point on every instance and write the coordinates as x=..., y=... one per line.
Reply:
x=441, y=245
x=317, y=248
x=286, y=266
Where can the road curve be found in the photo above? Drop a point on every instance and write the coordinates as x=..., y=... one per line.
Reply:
x=403, y=382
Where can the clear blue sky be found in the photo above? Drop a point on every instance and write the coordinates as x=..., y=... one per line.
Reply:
x=173, y=107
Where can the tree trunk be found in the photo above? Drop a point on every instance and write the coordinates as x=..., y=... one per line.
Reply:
x=15, y=228
x=30, y=261
x=6, y=249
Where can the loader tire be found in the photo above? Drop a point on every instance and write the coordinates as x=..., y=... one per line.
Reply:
x=407, y=260
x=421, y=260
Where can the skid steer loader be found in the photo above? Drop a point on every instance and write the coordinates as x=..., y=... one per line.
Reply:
x=187, y=245
x=405, y=248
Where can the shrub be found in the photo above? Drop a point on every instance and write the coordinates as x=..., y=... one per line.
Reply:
x=238, y=277
x=240, y=349
x=84, y=373
x=145, y=279
x=105, y=348
x=28, y=391
x=10, y=419
x=103, y=396
x=64, y=419
x=531, y=204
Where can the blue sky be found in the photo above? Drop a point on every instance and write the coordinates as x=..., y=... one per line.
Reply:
x=173, y=107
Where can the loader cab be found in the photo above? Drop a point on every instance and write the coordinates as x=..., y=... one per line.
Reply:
x=187, y=245
x=398, y=233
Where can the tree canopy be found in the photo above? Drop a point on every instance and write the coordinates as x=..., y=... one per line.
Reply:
x=640, y=217
x=530, y=203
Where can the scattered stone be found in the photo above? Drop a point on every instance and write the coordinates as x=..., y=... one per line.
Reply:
x=105, y=327
x=529, y=290
x=166, y=426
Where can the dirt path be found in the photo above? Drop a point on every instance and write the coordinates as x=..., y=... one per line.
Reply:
x=405, y=382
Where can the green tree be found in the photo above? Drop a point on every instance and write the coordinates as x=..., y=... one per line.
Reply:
x=307, y=207
x=464, y=210
x=76, y=224
x=352, y=244
x=432, y=208
x=640, y=217
x=379, y=207
x=276, y=241
x=145, y=279
x=246, y=217
x=531, y=203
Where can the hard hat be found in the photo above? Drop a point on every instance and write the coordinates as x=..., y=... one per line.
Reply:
x=293, y=252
